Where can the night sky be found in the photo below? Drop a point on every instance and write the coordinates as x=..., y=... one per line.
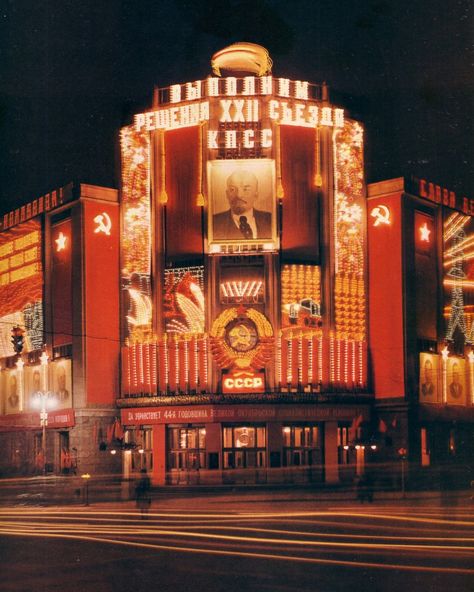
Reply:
x=73, y=71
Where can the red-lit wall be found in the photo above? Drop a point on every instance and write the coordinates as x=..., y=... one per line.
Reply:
x=300, y=236
x=61, y=282
x=386, y=298
x=101, y=294
x=183, y=216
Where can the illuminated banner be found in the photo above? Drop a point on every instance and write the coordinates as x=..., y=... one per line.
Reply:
x=242, y=201
x=440, y=195
x=294, y=103
x=183, y=301
x=243, y=382
x=45, y=203
x=64, y=418
x=301, y=297
x=218, y=413
x=21, y=285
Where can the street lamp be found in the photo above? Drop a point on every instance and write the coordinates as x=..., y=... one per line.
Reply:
x=86, y=477
x=44, y=399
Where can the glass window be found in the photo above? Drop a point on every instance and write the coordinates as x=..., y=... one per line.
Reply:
x=301, y=445
x=244, y=447
x=186, y=448
x=141, y=448
x=343, y=444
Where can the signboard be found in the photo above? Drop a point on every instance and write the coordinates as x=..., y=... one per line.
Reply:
x=63, y=418
x=219, y=413
x=243, y=382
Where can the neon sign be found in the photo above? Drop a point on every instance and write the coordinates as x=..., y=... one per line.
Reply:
x=243, y=382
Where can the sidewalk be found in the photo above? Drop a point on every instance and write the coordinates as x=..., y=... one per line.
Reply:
x=70, y=491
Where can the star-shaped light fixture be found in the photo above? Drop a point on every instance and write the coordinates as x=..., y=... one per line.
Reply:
x=425, y=233
x=61, y=242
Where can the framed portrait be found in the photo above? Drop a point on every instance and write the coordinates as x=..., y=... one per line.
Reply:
x=32, y=387
x=241, y=201
x=61, y=383
x=11, y=392
x=429, y=378
x=456, y=381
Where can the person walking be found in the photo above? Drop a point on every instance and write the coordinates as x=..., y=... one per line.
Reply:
x=142, y=493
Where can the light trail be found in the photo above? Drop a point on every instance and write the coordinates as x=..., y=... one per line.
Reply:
x=272, y=556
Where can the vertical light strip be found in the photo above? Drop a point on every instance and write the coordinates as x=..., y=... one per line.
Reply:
x=196, y=361
x=186, y=364
x=204, y=344
x=21, y=384
x=300, y=359
x=147, y=367
x=320, y=359
x=444, y=362
x=331, y=359
x=471, y=375
x=280, y=192
x=163, y=194
x=141, y=376
x=279, y=360
x=166, y=360
x=289, y=370
x=154, y=367
x=310, y=359
x=177, y=368
x=200, y=199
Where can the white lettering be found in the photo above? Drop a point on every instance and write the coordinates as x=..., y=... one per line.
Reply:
x=231, y=85
x=266, y=85
x=301, y=89
x=225, y=115
x=266, y=140
x=175, y=93
x=230, y=139
x=213, y=87
x=249, y=139
x=212, y=140
x=193, y=90
x=249, y=85
x=283, y=87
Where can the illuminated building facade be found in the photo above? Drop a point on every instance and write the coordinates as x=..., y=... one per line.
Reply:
x=421, y=306
x=64, y=371
x=243, y=281
x=211, y=322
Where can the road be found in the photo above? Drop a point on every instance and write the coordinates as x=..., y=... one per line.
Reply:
x=228, y=543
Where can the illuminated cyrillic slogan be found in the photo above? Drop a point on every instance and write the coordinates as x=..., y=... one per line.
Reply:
x=173, y=117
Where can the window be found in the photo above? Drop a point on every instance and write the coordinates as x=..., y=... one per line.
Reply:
x=244, y=447
x=343, y=444
x=301, y=445
x=141, y=448
x=186, y=448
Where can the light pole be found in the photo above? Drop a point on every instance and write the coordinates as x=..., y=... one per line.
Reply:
x=44, y=399
x=86, y=477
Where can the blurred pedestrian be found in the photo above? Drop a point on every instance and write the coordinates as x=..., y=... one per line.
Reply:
x=142, y=493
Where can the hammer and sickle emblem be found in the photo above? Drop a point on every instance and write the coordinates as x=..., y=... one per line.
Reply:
x=104, y=223
x=381, y=215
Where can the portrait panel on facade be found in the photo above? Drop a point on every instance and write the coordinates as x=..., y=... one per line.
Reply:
x=11, y=391
x=429, y=378
x=456, y=381
x=61, y=383
x=32, y=379
x=241, y=200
